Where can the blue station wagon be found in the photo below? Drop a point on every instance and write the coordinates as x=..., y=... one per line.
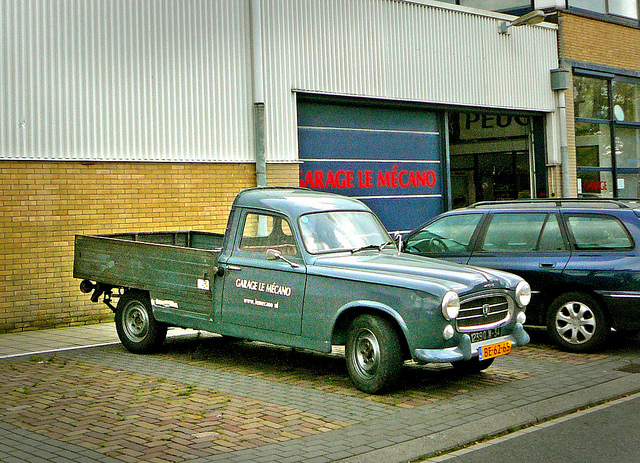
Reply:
x=580, y=257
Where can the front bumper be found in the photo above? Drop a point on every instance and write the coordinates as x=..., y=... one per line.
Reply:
x=467, y=350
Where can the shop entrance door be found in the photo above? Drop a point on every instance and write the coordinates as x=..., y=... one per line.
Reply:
x=489, y=177
x=492, y=157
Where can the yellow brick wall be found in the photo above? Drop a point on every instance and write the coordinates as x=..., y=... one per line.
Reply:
x=44, y=204
x=600, y=42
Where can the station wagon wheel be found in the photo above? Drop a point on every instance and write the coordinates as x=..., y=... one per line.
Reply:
x=577, y=323
x=138, y=331
x=373, y=354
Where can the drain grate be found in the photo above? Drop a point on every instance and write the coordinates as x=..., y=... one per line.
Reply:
x=631, y=368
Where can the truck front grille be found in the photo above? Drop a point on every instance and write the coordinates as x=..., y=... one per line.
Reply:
x=483, y=312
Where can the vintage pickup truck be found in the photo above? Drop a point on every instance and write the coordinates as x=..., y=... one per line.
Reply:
x=308, y=270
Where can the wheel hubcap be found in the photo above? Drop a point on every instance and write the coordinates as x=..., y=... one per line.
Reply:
x=136, y=321
x=575, y=323
x=367, y=353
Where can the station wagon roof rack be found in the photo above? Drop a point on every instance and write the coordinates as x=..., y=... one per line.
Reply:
x=558, y=202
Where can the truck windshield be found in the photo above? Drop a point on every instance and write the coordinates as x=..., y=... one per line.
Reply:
x=341, y=231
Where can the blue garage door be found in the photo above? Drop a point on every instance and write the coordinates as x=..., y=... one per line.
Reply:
x=388, y=158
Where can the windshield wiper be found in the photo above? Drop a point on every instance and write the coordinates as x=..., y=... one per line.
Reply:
x=379, y=247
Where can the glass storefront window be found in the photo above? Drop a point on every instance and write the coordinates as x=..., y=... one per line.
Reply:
x=626, y=99
x=628, y=161
x=591, y=97
x=497, y=5
x=626, y=8
x=595, y=183
x=598, y=6
x=627, y=148
x=593, y=145
x=607, y=165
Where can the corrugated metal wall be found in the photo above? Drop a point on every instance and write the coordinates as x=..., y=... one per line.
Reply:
x=170, y=80
x=424, y=52
x=126, y=80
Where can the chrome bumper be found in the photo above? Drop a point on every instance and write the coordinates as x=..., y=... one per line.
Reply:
x=467, y=350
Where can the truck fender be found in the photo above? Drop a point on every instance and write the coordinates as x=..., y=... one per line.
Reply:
x=346, y=313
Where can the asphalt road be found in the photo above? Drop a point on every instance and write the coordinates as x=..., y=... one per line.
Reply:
x=606, y=433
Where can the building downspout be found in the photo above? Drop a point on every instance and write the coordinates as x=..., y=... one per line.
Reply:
x=257, y=77
x=562, y=113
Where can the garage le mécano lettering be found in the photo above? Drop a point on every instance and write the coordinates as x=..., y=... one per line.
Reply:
x=342, y=179
x=262, y=287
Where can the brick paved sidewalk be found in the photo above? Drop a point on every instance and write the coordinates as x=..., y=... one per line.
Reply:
x=205, y=399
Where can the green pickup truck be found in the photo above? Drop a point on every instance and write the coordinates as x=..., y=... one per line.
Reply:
x=309, y=270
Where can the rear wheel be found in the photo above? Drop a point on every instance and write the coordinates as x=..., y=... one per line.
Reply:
x=577, y=323
x=373, y=354
x=138, y=331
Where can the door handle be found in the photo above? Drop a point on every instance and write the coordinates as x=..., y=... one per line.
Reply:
x=547, y=265
x=222, y=269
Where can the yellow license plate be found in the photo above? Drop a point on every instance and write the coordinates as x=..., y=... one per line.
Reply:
x=494, y=350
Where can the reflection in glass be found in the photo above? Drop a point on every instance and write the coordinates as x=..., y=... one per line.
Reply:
x=341, y=231
x=593, y=145
x=497, y=5
x=595, y=184
x=591, y=5
x=628, y=161
x=590, y=98
x=626, y=97
x=626, y=8
x=627, y=147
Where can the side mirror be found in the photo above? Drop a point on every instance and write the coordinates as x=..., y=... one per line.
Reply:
x=273, y=254
x=397, y=237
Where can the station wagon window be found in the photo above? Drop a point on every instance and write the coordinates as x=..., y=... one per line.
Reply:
x=450, y=234
x=551, y=238
x=262, y=232
x=599, y=232
x=523, y=233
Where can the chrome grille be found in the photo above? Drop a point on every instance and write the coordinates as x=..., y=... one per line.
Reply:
x=483, y=312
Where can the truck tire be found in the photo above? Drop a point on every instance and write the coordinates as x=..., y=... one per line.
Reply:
x=373, y=354
x=577, y=323
x=138, y=331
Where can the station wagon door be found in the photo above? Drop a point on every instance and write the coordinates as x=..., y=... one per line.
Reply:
x=604, y=259
x=531, y=245
x=260, y=291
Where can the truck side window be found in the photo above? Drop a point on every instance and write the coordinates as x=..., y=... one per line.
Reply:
x=262, y=232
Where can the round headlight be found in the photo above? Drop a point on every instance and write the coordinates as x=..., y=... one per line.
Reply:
x=450, y=305
x=523, y=293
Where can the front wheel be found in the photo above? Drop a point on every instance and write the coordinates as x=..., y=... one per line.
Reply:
x=373, y=354
x=577, y=323
x=138, y=331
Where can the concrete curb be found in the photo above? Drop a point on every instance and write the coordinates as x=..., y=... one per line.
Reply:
x=510, y=420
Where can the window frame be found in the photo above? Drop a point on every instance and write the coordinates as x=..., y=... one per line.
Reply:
x=261, y=254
